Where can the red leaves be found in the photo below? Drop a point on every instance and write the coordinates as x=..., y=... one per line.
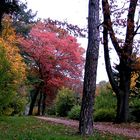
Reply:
x=58, y=55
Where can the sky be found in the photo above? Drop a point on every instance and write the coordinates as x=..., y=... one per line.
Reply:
x=72, y=11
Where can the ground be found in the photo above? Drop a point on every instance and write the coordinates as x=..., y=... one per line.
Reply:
x=131, y=130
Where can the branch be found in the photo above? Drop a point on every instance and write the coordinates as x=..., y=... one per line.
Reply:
x=108, y=24
x=107, y=61
x=118, y=8
x=100, y=25
x=128, y=45
x=135, y=32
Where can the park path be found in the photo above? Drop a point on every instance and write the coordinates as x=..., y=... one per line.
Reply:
x=130, y=131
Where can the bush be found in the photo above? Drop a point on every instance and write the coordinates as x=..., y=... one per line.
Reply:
x=135, y=110
x=75, y=112
x=105, y=99
x=16, y=107
x=19, y=105
x=65, y=100
x=105, y=105
x=106, y=115
x=51, y=110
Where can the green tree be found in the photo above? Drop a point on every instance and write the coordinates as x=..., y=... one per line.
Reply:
x=23, y=20
x=7, y=7
x=6, y=87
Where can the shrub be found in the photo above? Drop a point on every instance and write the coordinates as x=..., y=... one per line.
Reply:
x=75, y=112
x=15, y=107
x=19, y=105
x=65, y=100
x=135, y=109
x=106, y=115
x=51, y=110
x=105, y=105
x=105, y=99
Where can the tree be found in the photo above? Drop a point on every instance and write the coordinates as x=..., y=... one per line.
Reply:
x=12, y=68
x=86, y=115
x=7, y=7
x=135, y=80
x=23, y=20
x=125, y=51
x=55, y=54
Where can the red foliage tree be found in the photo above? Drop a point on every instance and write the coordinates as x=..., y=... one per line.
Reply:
x=57, y=55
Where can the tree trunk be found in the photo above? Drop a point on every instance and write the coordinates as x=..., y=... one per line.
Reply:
x=40, y=104
x=86, y=115
x=124, y=91
x=1, y=23
x=33, y=100
x=125, y=54
x=44, y=103
x=122, y=108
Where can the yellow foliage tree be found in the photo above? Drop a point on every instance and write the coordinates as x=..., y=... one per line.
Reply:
x=134, y=78
x=12, y=71
x=9, y=42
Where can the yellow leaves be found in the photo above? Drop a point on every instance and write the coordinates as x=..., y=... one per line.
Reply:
x=8, y=32
x=134, y=78
x=16, y=62
x=8, y=41
x=136, y=73
x=136, y=65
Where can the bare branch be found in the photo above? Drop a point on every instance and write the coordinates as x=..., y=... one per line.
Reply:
x=135, y=32
x=107, y=60
x=108, y=24
x=118, y=8
x=128, y=45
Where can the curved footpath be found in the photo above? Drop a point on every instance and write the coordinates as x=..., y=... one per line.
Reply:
x=132, y=132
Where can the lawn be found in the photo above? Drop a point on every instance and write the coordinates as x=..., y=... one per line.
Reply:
x=30, y=128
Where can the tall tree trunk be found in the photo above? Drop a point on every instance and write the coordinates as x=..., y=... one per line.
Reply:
x=122, y=107
x=40, y=104
x=44, y=103
x=125, y=54
x=1, y=23
x=123, y=95
x=33, y=100
x=86, y=115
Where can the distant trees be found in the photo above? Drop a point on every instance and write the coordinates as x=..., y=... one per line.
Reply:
x=125, y=52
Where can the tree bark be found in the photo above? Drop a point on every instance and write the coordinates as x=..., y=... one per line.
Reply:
x=123, y=94
x=1, y=23
x=86, y=115
x=122, y=108
x=44, y=103
x=33, y=100
x=40, y=104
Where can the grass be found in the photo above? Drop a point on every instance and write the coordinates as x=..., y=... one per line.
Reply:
x=30, y=128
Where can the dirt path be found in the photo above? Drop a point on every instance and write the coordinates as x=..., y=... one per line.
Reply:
x=129, y=131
